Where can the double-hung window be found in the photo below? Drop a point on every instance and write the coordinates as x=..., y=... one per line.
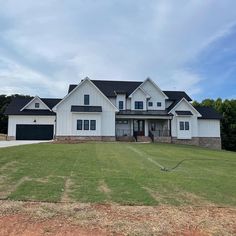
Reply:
x=86, y=124
x=86, y=99
x=121, y=105
x=184, y=125
x=92, y=124
x=79, y=124
x=138, y=105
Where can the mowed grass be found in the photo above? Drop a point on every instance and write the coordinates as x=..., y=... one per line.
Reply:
x=123, y=173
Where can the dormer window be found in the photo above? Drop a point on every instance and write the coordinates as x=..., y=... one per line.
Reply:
x=36, y=105
x=121, y=105
x=86, y=99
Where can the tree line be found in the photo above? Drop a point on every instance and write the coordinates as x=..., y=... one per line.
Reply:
x=227, y=108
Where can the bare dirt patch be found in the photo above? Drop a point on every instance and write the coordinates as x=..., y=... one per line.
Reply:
x=33, y=218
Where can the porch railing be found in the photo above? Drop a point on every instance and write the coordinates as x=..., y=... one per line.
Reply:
x=161, y=133
x=123, y=132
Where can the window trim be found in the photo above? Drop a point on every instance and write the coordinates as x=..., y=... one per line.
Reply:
x=187, y=125
x=86, y=99
x=150, y=104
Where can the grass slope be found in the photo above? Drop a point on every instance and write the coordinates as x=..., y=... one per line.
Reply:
x=125, y=173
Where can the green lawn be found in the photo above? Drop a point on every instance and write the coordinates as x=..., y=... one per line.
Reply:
x=124, y=173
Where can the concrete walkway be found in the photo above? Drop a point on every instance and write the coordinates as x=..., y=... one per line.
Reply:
x=18, y=143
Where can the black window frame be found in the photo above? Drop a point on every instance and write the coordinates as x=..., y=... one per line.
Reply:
x=138, y=105
x=86, y=99
x=121, y=105
x=79, y=124
x=186, y=125
x=37, y=105
x=92, y=124
x=86, y=124
x=159, y=104
x=181, y=125
x=150, y=104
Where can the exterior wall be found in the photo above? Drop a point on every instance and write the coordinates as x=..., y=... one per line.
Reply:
x=86, y=116
x=162, y=140
x=156, y=95
x=66, y=123
x=208, y=128
x=22, y=120
x=123, y=129
x=121, y=97
x=139, y=96
x=113, y=101
x=76, y=139
x=128, y=104
x=41, y=105
x=193, y=120
x=168, y=103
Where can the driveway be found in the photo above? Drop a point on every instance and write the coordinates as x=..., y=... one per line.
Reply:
x=18, y=143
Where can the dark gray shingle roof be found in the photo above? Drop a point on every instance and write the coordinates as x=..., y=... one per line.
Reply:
x=184, y=113
x=18, y=103
x=208, y=113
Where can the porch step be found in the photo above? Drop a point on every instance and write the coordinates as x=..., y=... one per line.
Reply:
x=145, y=139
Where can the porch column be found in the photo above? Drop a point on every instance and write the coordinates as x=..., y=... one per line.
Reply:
x=146, y=128
x=132, y=127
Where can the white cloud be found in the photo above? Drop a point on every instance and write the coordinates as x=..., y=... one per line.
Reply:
x=50, y=44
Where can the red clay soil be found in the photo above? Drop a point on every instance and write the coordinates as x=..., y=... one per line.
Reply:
x=37, y=219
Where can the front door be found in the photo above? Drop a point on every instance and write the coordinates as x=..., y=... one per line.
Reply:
x=138, y=128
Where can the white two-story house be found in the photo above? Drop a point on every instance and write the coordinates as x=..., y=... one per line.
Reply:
x=115, y=110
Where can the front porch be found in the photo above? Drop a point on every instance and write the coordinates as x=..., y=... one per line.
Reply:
x=129, y=128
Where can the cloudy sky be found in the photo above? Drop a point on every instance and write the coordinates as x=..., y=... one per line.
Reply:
x=187, y=45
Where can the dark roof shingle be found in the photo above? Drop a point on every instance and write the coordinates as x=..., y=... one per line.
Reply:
x=86, y=109
x=18, y=103
x=184, y=113
x=208, y=113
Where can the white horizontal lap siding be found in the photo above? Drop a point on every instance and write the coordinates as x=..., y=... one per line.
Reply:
x=138, y=96
x=65, y=123
x=28, y=120
x=156, y=96
x=209, y=128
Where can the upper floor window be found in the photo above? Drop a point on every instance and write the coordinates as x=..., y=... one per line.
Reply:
x=159, y=104
x=86, y=99
x=150, y=104
x=184, y=125
x=138, y=105
x=36, y=105
x=121, y=105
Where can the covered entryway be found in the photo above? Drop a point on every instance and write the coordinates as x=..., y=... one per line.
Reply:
x=34, y=132
x=138, y=127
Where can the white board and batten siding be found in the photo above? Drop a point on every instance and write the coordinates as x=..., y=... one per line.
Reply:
x=193, y=122
x=139, y=96
x=14, y=120
x=209, y=128
x=155, y=94
x=67, y=120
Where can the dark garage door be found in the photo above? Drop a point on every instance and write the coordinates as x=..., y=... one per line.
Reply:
x=34, y=132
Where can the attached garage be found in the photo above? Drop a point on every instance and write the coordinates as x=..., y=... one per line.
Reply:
x=34, y=132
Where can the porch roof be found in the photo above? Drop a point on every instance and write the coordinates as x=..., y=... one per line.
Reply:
x=152, y=114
